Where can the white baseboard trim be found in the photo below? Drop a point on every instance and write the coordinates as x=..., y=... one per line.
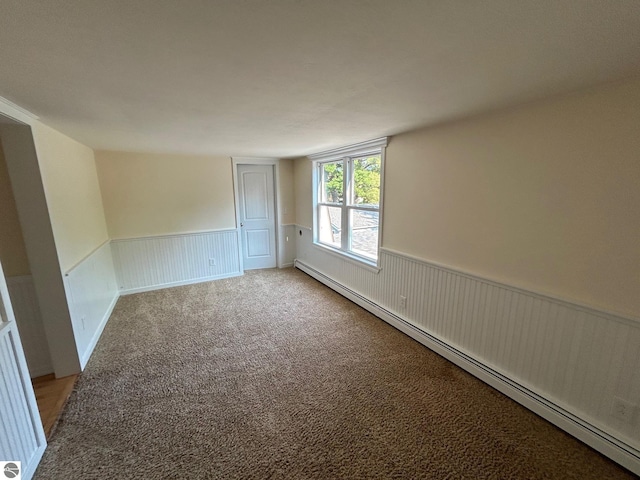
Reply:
x=40, y=371
x=30, y=469
x=619, y=451
x=286, y=265
x=96, y=336
x=160, y=286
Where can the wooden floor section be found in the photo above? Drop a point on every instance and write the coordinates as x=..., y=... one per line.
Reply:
x=52, y=394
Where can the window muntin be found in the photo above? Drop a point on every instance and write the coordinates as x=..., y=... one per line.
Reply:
x=348, y=203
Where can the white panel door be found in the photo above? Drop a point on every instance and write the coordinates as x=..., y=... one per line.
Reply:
x=21, y=435
x=257, y=216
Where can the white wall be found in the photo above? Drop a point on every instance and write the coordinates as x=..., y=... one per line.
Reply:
x=287, y=192
x=153, y=194
x=13, y=253
x=543, y=197
x=70, y=181
x=286, y=197
x=74, y=202
x=302, y=179
x=92, y=292
x=60, y=208
x=168, y=215
x=26, y=308
x=22, y=163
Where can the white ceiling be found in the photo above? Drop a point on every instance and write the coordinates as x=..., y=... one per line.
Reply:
x=291, y=77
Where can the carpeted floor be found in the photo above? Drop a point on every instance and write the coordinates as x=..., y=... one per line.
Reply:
x=272, y=375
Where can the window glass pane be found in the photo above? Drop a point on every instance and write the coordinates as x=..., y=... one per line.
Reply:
x=364, y=233
x=330, y=225
x=332, y=183
x=366, y=181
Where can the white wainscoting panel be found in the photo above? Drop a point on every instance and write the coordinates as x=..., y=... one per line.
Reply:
x=287, y=242
x=150, y=263
x=565, y=361
x=91, y=293
x=27, y=311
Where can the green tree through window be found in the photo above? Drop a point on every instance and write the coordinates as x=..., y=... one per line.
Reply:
x=366, y=179
x=333, y=182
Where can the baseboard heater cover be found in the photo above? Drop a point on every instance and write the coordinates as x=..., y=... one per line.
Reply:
x=617, y=450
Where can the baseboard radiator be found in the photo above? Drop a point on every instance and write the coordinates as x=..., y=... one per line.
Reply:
x=566, y=362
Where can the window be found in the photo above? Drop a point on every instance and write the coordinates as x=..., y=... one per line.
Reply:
x=348, y=200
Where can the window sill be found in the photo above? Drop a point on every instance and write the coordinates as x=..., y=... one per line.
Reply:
x=360, y=262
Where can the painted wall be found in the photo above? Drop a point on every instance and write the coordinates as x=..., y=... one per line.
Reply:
x=302, y=184
x=58, y=195
x=13, y=255
x=12, y=249
x=286, y=196
x=286, y=192
x=158, y=194
x=29, y=192
x=544, y=196
x=73, y=194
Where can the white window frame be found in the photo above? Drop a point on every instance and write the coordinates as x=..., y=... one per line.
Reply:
x=347, y=155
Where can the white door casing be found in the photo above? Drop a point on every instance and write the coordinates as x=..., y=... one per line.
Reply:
x=256, y=205
x=21, y=434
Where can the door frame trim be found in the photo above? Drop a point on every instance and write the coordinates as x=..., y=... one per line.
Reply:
x=9, y=328
x=275, y=163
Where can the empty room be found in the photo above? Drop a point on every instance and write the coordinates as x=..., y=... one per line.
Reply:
x=320, y=239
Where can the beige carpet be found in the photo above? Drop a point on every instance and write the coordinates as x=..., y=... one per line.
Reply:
x=272, y=375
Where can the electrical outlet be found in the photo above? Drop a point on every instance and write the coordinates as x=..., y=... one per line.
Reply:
x=403, y=301
x=212, y=262
x=623, y=410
